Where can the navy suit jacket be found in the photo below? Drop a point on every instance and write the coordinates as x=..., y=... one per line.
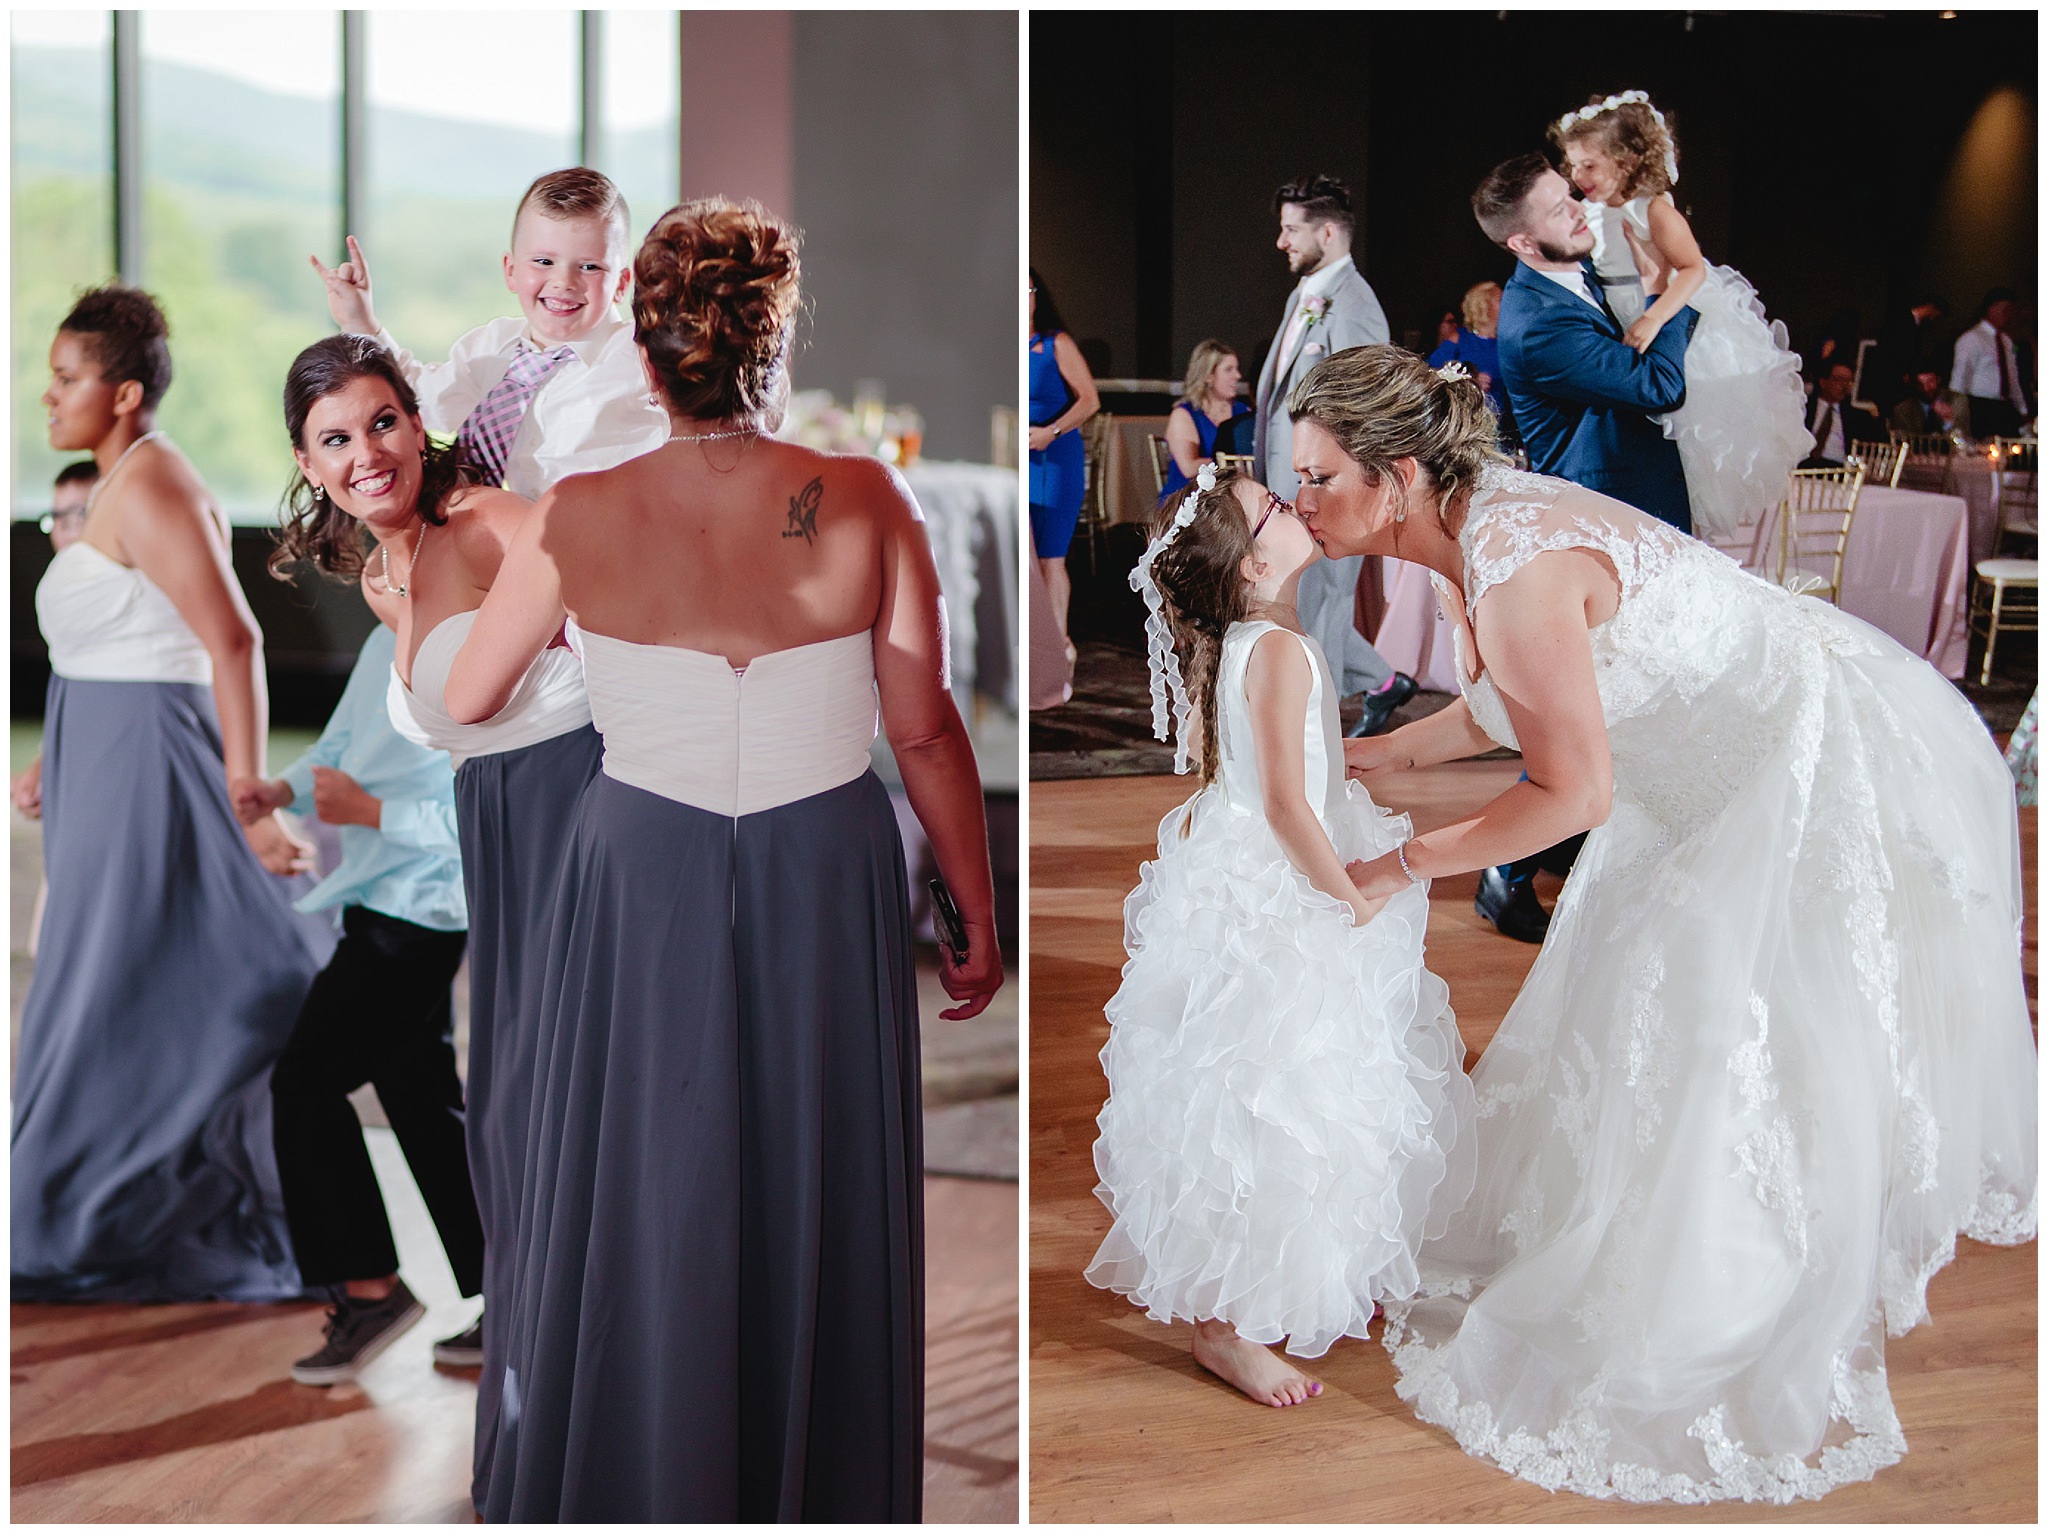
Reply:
x=1583, y=398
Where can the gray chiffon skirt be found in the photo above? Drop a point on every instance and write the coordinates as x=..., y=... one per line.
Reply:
x=515, y=812
x=169, y=975
x=720, y=1296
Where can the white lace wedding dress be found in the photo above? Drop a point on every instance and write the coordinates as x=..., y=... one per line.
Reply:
x=1289, y=1114
x=1742, y=427
x=1773, y=1057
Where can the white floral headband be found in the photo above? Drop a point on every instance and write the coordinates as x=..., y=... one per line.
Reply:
x=1626, y=98
x=1161, y=659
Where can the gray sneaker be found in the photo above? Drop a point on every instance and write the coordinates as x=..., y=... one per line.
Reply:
x=357, y=1331
x=465, y=1350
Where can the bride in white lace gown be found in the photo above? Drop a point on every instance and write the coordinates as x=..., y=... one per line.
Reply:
x=1774, y=1056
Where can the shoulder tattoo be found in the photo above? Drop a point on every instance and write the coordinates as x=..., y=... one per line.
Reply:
x=803, y=511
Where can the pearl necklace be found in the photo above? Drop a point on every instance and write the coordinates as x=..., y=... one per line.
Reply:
x=714, y=436
x=107, y=478
x=384, y=549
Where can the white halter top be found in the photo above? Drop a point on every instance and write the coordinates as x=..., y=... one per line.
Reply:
x=685, y=725
x=548, y=701
x=108, y=622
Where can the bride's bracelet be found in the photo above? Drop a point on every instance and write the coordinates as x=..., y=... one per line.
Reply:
x=1401, y=852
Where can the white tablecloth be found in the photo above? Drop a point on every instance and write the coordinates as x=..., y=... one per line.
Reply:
x=970, y=512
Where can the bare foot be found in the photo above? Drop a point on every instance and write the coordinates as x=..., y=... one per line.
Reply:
x=1258, y=1371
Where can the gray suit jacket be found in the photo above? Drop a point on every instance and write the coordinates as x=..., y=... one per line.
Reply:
x=1355, y=318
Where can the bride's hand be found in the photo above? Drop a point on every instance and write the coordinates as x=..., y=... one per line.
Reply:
x=971, y=981
x=348, y=291
x=1375, y=757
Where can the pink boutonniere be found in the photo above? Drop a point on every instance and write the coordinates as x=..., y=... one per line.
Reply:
x=1314, y=307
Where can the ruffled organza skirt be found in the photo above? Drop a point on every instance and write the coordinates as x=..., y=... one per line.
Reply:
x=1773, y=1058
x=1742, y=427
x=1289, y=1114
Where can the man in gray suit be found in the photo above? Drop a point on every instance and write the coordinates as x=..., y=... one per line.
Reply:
x=1332, y=309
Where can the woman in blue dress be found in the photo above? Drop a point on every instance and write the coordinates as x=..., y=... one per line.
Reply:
x=1207, y=399
x=1062, y=397
x=1477, y=344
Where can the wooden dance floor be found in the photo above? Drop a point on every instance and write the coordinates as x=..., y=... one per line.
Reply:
x=185, y=1413
x=1124, y=1427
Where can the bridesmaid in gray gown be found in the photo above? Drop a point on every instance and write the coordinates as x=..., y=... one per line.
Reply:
x=720, y=1275
x=171, y=966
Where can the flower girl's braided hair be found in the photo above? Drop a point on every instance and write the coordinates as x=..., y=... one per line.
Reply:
x=1193, y=567
x=1633, y=133
x=1383, y=403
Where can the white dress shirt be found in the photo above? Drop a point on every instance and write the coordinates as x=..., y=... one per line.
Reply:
x=590, y=413
x=1573, y=281
x=1833, y=445
x=1976, y=366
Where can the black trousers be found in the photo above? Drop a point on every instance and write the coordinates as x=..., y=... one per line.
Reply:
x=381, y=1012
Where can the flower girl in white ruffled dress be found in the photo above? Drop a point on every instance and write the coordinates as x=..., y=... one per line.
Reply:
x=1289, y=1114
x=1741, y=428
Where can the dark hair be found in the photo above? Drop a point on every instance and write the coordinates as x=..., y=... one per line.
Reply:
x=80, y=471
x=1999, y=296
x=715, y=298
x=1322, y=200
x=1046, y=318
x=1199, y=575
x=310, y=526
x=578, y=192
x=1497, y=202
x=125, y=332
x=1927, y=299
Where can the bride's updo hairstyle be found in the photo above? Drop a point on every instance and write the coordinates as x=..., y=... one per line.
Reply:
x=715, y=303
x=1199, y=575
x=1642, y=148
x=1383, y=403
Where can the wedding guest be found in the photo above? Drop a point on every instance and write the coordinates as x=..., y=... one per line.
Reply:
x=1905, y=346
x=1207, y=402
x=556, y=390
x=1926, y=409
x=1331, y=309
x=1062, y=397
x=381, y=1012
x=1987, y=371
x=1476, y=343
x=366, y=465
x=171, y=964
x=1835, y=421
x=719, y=1313
x=69, y=497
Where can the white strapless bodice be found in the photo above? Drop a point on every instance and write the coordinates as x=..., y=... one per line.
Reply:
x=684, y=724
x=108, y=622
x=549, y=701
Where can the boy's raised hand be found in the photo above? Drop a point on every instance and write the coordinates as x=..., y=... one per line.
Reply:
x=348, y=291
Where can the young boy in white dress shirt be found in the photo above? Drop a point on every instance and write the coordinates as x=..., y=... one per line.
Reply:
x=569, y=412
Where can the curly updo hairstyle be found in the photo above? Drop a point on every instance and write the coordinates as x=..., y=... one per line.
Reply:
x=1199, y=574
x=124, y=330
x=310, y=526
x=1632, y=138
x=715, y=299
x=1383, y=403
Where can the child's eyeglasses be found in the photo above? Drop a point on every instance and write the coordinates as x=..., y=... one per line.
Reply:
x=52, y=520
x=1273, y=504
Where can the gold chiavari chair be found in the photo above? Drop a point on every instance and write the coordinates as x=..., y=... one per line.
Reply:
x=1927, y=466
x=1241, y=462
x=1814, y=518
x=2018, y=508
x=1095, y=435
x=1883, y=462
x=1162, y=460
x=2005, y=598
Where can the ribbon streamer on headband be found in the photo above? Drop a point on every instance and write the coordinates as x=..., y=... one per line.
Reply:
x=1162, y=661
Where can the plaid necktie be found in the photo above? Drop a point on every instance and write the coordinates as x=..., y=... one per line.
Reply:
x=485, y=440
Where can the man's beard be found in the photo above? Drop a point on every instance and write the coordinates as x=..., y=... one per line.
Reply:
x=1552, y=252
x=1305, y=260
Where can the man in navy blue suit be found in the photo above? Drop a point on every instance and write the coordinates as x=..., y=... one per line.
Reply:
x=1584, y=401
x=1583, y=398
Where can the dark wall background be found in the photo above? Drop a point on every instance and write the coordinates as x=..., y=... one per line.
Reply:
x=905, y=168
x=1839, y=162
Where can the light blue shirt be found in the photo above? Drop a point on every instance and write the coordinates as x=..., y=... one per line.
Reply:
x=410, y=866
